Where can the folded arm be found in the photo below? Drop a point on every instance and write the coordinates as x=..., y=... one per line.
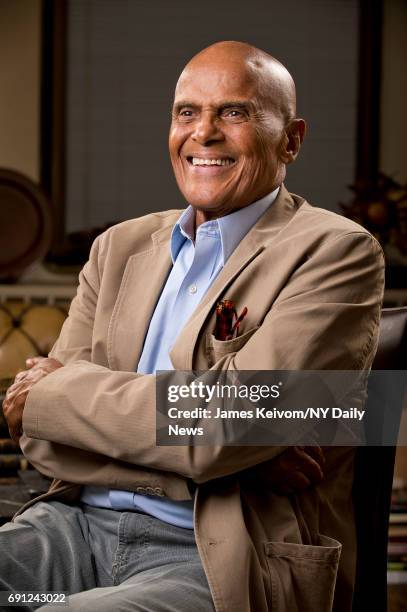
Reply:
x=333, y=301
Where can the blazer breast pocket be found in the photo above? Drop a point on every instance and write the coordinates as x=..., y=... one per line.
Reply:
x=215, y=349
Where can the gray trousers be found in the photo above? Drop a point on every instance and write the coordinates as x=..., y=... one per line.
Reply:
x=108, y=561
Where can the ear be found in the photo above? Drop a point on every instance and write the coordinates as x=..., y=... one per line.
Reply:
x=293, y=137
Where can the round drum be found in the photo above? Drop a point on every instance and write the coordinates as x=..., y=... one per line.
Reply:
x=25, y=223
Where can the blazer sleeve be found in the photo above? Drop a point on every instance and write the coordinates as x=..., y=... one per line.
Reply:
x=326, y=317
x=75, y=340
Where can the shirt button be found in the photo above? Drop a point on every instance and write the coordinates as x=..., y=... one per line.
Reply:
x=192, y=289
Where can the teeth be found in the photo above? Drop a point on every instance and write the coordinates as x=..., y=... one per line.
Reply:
x=197, y=161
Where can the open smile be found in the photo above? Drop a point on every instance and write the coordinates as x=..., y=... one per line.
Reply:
x=205, y=162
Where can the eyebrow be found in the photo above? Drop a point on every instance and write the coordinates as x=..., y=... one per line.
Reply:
x=226, y=104
x=184, y=104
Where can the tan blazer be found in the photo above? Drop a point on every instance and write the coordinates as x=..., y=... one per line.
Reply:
x=313, y=284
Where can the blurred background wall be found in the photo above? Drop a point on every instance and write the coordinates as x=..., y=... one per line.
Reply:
x=20, y=85
x=124, y=58
x=393, y=127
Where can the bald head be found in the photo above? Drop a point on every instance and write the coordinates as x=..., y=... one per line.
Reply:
x=274, y=84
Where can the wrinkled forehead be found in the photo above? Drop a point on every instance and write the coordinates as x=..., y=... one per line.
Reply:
x=230, y=80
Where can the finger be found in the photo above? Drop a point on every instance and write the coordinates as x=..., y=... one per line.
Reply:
x=297, y=482
x=316, y=453
x=16, y=388
x=11, y=391
x=53, y=364
x=308, y=466
x=14, y=418
x=14, y=403
x=19, y=391
x=15, y=434
x=5, y=407
x=21, y=375
x=46, y=365
x=32, y=361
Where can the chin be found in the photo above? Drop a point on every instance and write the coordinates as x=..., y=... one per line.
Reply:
x=204, y=203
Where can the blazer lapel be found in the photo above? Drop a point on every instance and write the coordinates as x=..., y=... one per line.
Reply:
x=258, y=237
x=146, y=273
x=141, y=286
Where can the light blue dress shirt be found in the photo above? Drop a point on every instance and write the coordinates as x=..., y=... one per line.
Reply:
x=195, y=267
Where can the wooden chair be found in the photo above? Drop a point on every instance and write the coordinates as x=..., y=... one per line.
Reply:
x=374, y=467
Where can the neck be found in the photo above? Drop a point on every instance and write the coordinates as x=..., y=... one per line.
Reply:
x=201, y=216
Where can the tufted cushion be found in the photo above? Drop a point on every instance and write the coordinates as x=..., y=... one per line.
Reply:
x=27, y=330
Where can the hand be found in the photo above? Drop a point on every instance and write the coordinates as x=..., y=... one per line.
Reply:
x=14, y=402
x=295, y=469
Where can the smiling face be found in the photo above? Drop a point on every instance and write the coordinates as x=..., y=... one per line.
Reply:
x=227, y=139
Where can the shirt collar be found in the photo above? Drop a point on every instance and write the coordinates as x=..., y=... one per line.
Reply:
x=232, y=228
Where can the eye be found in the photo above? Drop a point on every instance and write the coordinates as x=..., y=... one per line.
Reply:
x=234, y=114
x=186, y=114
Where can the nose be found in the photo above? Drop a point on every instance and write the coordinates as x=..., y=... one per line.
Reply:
x=207, y=129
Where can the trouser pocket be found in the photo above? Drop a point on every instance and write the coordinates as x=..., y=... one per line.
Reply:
x=303, y=576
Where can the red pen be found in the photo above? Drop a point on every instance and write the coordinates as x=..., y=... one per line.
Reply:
x=225, y=314
x=237, y=323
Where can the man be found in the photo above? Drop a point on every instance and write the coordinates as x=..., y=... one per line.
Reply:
x=312, y=282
